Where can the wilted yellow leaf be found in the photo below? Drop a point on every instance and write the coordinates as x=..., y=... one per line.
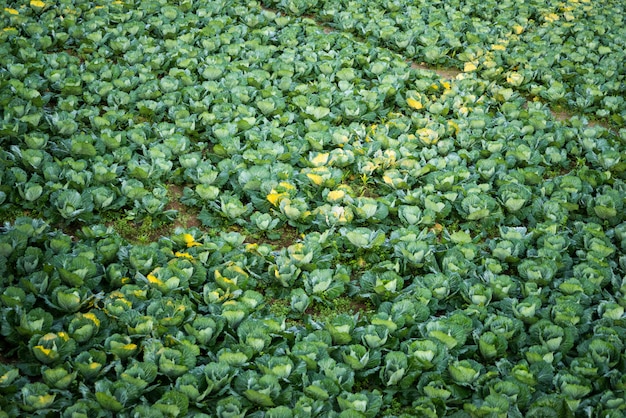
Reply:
x=469, y=67
x=518, y=29
x=183, y=255
x=225, y=280
x=335, y=195
x=37, y=3
x=153, y=279
x=237, y=269
x=252, y=247
x=11, y=11
x=315, y=178
x=414, y=104
x=274, y=197
x=190, y=240
x=93, y=318
x=44, y=350
x=551, y=17
x=498, y=47
x=320, y=159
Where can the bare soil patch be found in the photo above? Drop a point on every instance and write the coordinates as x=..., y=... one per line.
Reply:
x=447, y=73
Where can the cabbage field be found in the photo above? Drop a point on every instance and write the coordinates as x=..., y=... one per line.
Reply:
x=311, y=208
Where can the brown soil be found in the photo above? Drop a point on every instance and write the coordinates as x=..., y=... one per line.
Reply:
x=288, y=236
x=186, y=216
x=446, y=73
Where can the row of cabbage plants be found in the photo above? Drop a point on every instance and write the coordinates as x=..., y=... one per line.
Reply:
x=568, y=53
